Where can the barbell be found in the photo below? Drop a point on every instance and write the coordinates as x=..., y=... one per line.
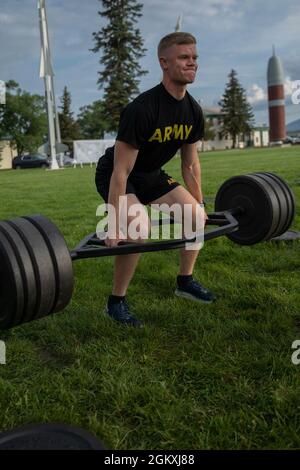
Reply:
x=36, y=265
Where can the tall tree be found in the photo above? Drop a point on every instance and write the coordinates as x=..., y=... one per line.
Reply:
x=122, y=47
x=238, y=115
x=69, y=128
x=91, y=121
x=23, y=119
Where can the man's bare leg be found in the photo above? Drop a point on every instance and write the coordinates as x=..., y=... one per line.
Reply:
x=124, y=269
x=186, y=286
x=187, y=261
x=125, y=265
x=181, y=196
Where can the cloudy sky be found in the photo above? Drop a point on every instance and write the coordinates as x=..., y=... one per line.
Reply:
x=235, y=34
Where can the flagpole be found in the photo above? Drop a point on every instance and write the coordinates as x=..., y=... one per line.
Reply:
x=46, y=72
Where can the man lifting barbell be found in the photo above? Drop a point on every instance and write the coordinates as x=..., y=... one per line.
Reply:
x=152, y=129
x=36, y=265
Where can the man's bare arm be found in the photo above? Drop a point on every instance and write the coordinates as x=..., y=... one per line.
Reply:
x=191, y=170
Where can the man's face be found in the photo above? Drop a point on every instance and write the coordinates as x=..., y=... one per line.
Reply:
x=179, y=63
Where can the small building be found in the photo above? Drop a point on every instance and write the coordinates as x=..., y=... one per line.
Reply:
x=259, y=136
x=213, y=117
x=6, y=155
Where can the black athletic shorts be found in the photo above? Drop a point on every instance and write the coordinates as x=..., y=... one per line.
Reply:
x=146, y=186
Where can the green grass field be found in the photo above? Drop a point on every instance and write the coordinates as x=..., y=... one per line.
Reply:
x=197, y=376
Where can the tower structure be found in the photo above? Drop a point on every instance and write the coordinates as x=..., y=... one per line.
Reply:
x=275, y=78
x=46, y=72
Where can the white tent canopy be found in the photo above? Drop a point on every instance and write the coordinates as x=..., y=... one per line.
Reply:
x=89, y=151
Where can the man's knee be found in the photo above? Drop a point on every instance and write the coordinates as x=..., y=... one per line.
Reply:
x=193, y=219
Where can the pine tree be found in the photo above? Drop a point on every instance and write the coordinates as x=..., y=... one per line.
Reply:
x=237, y=113
x=69, y=128
x=91, y=122
x=122, y=47
x=23, y=119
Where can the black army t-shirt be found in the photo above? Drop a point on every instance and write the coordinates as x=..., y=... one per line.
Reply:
x=157, y=124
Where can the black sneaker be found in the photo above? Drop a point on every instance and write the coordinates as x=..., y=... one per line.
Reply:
x=120, y=312
x=195, y=291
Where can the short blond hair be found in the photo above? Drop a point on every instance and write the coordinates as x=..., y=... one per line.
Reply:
x=175, y=38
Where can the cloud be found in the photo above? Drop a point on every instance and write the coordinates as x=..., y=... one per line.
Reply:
x=214, y=8
x=258, y=98
x=198, y=17
x=292, y=64
x=74, y=40
x=284, y=32
x=189, y=9
x=288, y=86
x=230, y=34
x=6, y=19
x=256, y=94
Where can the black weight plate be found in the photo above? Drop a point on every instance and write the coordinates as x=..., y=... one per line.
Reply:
x=290, y=198
x=27, y=271
x=11, y=286
x=282, y=202
x=61, y=258
x=49, y=437
x=288, y=201
x=275, y=205
x=42, y=264
x=256, y=219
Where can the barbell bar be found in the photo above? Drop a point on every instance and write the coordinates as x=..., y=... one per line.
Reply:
x=36, y=265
